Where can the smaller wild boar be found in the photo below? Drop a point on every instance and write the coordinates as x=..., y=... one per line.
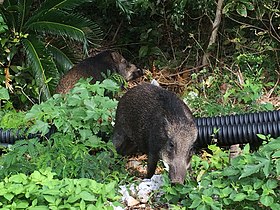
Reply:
x=95, y=66
x=152, y=120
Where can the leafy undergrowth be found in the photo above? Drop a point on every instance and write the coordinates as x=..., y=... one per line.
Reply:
x=42, y=191
x=76, y=149
x=249, y=181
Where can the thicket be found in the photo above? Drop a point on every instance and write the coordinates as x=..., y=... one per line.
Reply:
x=238, y=72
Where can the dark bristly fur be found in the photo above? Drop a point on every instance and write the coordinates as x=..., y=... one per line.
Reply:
x=155, y=121
x=95, y=66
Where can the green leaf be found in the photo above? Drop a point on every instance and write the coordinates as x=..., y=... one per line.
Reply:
x=73, y=198
x=195, y=203
x=82, y=205
x=4, y=94
x=276, y=154
x=275, y=206
x=230, y=171
x=8, y=196
x=261, y=136
x=203, y=207
x=267, y=200
x=241, y=9
x=18, y=178
x=49, y=198
x=22, y=204
x=277, y=166
x=271, y=184
x=240, y=197
x=87, y=196
x=207, y=199
x=249, y=170
x=227, y=7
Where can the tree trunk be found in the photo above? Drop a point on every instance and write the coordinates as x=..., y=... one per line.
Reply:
x=214, y=33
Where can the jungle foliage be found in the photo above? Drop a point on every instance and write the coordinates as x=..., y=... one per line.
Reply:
x=237, y=71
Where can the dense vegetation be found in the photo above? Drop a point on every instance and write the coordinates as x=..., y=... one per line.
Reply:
x=220, y=56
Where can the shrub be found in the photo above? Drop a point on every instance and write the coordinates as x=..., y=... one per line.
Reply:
x=75, y=149
x=249, y=181
x=41, y=190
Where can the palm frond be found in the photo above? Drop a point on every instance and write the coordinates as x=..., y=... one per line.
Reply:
x=24, y=7
x=65, y=20
x=62, y=60
x=9, y=12
x=59, y=29
x=64, y=4
x=43, y=68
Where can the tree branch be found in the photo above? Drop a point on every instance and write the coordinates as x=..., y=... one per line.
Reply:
x=214, y=33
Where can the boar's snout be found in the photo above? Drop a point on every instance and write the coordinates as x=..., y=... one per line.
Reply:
x=178, y=170
x=133, y=72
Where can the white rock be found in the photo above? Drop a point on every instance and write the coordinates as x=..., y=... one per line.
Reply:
x=142, y=192
x=132, y=201
x=154, y=82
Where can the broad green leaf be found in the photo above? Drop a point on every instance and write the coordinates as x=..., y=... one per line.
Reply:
x=18, y=178
x=49, y=198
x=267, y=200
x=241, y=9
x=8, y=196
x=4, y=94
x=275, y=206
x=240, y=197
x=73, y=198
x=22, y=204
x=207, y=199
x=249, y=170
x=272, y=184
x=203, y=207
x=87, y=196
x=230, y=171
x=195, y=203
x=226, y=192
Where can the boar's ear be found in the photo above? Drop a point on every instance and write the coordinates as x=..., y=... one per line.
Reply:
x=117, y=57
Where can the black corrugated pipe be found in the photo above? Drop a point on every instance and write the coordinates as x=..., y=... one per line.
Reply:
x=257, y=117
x=237, y=129
x=232, y=129
x=11, y=135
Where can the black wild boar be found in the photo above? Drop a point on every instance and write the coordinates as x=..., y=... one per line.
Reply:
x=95, y=66
x=152, y=120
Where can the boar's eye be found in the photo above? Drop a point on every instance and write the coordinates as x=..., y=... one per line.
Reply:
x=124, y=61
x=171, y=145
x=191, y=151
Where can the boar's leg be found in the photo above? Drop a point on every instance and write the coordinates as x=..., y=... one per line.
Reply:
x=152, y=164
x=123, y=144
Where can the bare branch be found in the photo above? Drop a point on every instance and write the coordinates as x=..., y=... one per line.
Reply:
x=214, y=33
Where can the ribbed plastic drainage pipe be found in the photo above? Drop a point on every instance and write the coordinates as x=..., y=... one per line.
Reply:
x=228, y=130
x=257, y=117
x=237, y=129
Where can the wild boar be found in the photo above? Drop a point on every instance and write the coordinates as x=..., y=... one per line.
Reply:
x=95, y=66
x=152, y=120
